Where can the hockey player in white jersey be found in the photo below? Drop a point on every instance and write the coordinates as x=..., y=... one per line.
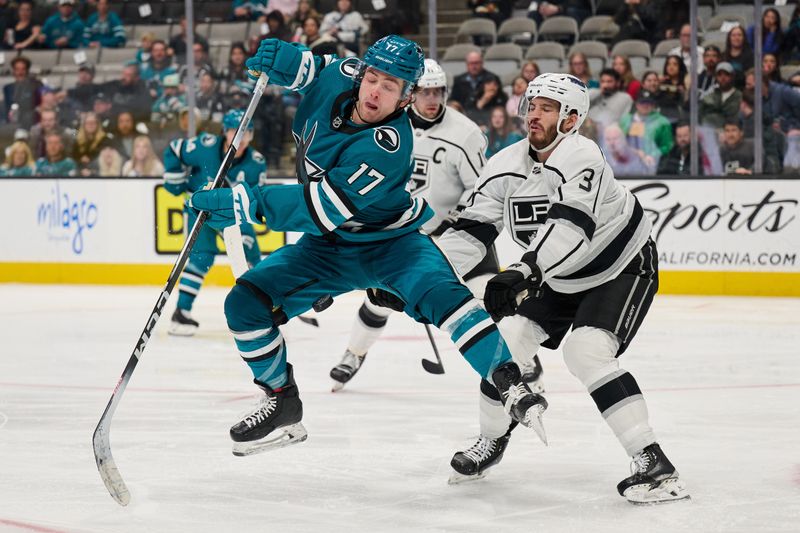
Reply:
x=448, y=158
x=588, y=263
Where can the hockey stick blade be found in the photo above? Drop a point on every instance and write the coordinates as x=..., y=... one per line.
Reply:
x=431, y=367
x=109, y=472
x=307, y=320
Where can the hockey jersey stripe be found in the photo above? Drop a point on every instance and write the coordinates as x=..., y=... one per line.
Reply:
x=314, y=208
x=338, y=199
x=569, y=254
x=616, y=390
x=476, y=336
x=475, y=170
x=575, y=216
x=259, y=354
x=616, y=248
x=458, y=312
x=496, y=176
x=481, y=231
x=250, y=335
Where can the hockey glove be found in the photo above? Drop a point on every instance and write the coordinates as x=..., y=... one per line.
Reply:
x=383, y=298
x=281, y=61
x=226, y=207
x=448, y=221
x=500, y=298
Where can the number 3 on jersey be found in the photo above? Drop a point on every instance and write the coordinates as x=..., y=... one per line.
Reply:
x=377, y=176
x=586, y=181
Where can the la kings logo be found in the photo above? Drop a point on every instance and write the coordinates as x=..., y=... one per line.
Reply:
x=420, y=179
x=527, y=214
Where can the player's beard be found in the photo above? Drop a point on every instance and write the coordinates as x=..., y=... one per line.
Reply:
x=535, y=138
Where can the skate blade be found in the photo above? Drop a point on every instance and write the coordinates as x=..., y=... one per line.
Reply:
x=289, y=435
x=337, y=386
x=533, y=420
x=667, y=491
x=182, y=330
x=457, y=478
x=536, y=385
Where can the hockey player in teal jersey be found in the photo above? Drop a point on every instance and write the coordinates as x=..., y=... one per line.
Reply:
x=361, y=225
x=190, y=164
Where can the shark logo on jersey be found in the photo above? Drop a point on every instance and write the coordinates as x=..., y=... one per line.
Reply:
x=349, y=67
x=306, y=169
x=387, y=138
x=419, y=175
x=527, y=214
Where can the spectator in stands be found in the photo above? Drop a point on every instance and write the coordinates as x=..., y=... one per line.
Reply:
x=168, y=105
x=249, y=9
x=124, y=134
x=208, y=100
x=490, y=95
x=579, y=67
x=269, y=125
x=636, y=20
x=158, y=68
x=790, y=50
x=738, y=53
x=63, y=29
x=651, y=81
x=55, y=162
x=773, y=140
x=22, y=95
x=684, y=49
x=47, y=124
x=672, y=15
x=495, y=10
x=6, y=16
x=24, y=33
x=345, y=24
x=104, y=109
x=177, y=44
x=529, y=71
x=455, y=104
x=736, y=152
x=608, y=103
x=673, y=89
x=276, y=29
x=771, y=32
x=143, y=162
x=468, y=86
x=501, y=132
x=236, y=70
x=304, y=10
x=238, y=94
x=722, y=104
x=82, y=95
x=202, y=65
x=146, y=44
x=707, y=79
x=318, y=43
x=104, y=28
x=287, y=8
x=628, y=82
x=780, y=101
x=577, y=9
x=108, y=164
x=771, y=67
x=676, y=162
x=49, y=101
x=91, y=138
x=624, y=160
x=130, y=94
x=647, y=130
x=518, y=87
x=19, y=161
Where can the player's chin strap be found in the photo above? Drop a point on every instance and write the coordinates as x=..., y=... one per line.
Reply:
x=559, y=135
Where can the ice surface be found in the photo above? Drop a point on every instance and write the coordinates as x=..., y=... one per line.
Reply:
x=721, y=376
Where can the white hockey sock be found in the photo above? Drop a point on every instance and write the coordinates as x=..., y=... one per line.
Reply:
x=367, y=327
x=590, y=354
x=494, y=421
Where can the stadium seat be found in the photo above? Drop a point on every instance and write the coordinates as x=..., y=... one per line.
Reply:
x=228, y=31
x=520, y=30
x=595, y=51
x=739, y=9
x=68, y=80
x=44, y=60
x=561, y=29
x=718, y=38
x=508, y=79
x=453, y=61
x=130, y=13
x=718, y=21
x=68, y=57
x=637, y=52
x=161, y=31
x=788, y=70
x=548, y=55
x=503, y=58
x=663, y=47
x=599, y=28
x=117, y=55
x=482, y=29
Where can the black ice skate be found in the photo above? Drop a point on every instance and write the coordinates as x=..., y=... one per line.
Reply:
x=474, y=462
x=532, y=374
x=654, y=479
x=274, y=423
x=182, y=324
x=521, y=404
x=346, y=369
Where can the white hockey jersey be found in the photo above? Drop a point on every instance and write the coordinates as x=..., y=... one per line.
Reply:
x=448, y=159
x=583, y=224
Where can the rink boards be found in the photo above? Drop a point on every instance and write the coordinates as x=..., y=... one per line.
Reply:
x=715, y=236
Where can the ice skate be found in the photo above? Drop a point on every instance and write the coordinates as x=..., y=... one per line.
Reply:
x=523, y=405
x=274, y=423
x=474, y=462
x=346, y=369
x=654, y=479
x=532, y=374
x=182, y=325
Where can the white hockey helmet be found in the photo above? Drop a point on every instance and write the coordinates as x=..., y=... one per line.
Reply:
x=433, y=76
x=565, y=89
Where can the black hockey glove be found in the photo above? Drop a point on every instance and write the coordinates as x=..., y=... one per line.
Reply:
x=500, y=298
x=384, y=298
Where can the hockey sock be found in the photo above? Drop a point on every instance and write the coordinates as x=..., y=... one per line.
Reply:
x=367, y=327
x=192, y=279
x=476, y=336
x=494, y=420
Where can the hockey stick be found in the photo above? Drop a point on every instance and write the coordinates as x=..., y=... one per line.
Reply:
x=430, y=366
x=101, y=438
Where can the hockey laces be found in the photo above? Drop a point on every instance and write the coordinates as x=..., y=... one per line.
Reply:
x=640, y=463
x=261, y=413
x=481, y=450
x=515, y=391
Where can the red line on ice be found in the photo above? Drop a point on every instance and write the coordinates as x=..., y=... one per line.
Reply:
x=30, y=527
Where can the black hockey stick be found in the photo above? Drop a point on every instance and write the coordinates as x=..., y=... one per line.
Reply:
x=101, y=439
x=430, y=366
